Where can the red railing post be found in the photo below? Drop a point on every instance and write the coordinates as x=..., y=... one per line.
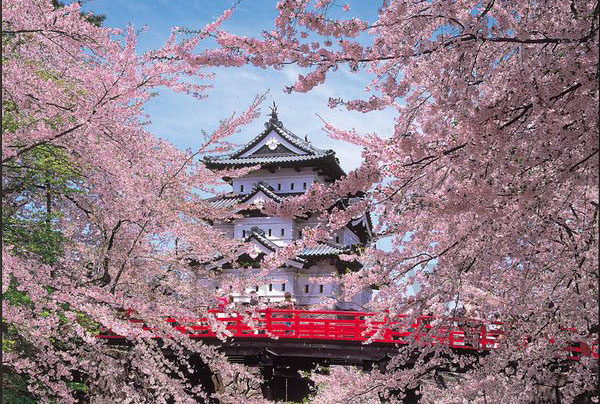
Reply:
x=268, y=323
x=357, y=335
x=416, y=329
x=387, y=324
x=238, y=324
x=482, y=343
x=451, y=331
x=296, y=323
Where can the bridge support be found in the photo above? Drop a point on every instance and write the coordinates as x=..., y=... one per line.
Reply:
x=282, y=379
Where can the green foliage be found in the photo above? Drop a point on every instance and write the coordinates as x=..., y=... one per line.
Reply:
x=14, y=386
x=33, y=185
x=9, y=117
x=88, y=324
x=15, y=297
x=44, y=165
x=78, y=386
x=31, y=235
x=36, y=186
x=8, y=344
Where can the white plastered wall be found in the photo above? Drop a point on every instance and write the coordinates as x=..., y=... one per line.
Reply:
x=281, y=180
x=265, y=223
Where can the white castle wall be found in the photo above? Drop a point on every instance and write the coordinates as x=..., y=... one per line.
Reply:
x=281, y=230
x=296, y=282
x=291, y=229
x=281, y=180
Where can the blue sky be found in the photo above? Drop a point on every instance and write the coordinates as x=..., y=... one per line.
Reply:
x=181, y=119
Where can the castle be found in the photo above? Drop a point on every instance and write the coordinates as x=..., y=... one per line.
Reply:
x=289, y=166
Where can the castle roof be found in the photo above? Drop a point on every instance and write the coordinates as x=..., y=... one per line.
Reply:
x=232, y=199
x=277, y=146
x=322, y=249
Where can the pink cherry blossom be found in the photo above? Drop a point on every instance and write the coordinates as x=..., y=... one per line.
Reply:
x=486, y=192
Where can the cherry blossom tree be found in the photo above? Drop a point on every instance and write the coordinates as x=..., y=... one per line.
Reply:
x=487, y=185
x=98, y=214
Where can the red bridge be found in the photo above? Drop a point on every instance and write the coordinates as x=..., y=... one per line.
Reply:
x=283, y=344
x=378, y=328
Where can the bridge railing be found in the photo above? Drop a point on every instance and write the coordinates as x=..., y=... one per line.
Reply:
x=457, y=333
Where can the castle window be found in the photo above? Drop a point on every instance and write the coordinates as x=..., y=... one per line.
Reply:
x=241, y=188
x=300, y=233
x=283, y=287
x=269, y=232
x=282, y=232
x=279, y=186
x=320, y=288
x=256, y=287
x=270, y=287
x=304, y=185
x=292, y=186
x=243, y=233
x=305, y=288
x=337, y=239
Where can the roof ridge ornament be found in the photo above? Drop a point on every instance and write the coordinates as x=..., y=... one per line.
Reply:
x=274, y=120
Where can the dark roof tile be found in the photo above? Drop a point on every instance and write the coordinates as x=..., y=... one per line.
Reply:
x=250, y=161
x=324, y=248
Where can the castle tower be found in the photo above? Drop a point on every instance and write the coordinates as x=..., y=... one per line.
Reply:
x=289, y=166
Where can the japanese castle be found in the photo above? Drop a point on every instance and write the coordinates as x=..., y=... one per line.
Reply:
x=289, y=166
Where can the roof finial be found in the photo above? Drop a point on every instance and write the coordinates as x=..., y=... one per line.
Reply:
x=274, y=120
x=274, y=111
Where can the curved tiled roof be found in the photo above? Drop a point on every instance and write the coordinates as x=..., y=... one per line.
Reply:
x=228, y=200
x=250, y=161
x=262, y=240
x=265, y=189
x=225, y=201
x=278, y=127
x=296, y=141
x=313, y=156
x=324, y=248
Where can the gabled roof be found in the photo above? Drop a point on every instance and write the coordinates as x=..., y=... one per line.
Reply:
x=278, y=154
x=275, y=125
x=225, y=201
x=323, y=248
x=256, y=235
x=228, y=200
x=265, y=189
x=261, y=239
